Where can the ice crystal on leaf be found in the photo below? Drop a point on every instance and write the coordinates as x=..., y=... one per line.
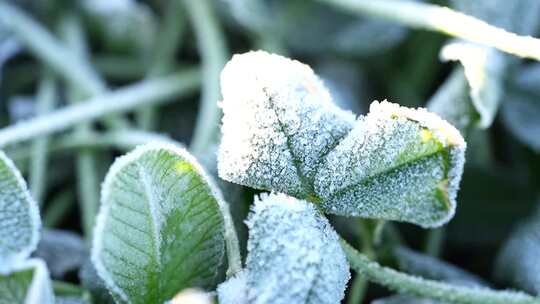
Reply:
x=282, y=132
x=294, y=255
x=279, y=120
x=397, y=163
x=19, y=216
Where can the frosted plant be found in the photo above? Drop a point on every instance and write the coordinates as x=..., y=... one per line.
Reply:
x=282, y=132
x=28, y=282
x=278, y=117
x=22, y=280
x=19, y=216
x=293, y=256
x=160, y=228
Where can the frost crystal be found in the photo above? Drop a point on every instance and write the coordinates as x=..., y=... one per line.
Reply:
x=279, y=120
x=233, y=291
x=19, y=216
x=282, y=132
x=397, y=164
x=294, y=255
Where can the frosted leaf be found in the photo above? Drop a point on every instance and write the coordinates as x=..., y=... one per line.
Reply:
x=453, y=103
x=234, y=290
x=396, y=164
x=27, y=282
x=518, y=261
x=279, y=120
x=63, y=251
x=191, y=296
x=294, y=255
x=484, y=68
x=160, y=228
x=19, y=216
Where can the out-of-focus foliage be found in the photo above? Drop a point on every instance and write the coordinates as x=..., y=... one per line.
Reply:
x=152, y=68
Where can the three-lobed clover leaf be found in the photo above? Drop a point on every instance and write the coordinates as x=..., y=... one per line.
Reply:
x=282, y=132
x=294, y=256
x=19, y=216
x=160, y=228
x=27, y=282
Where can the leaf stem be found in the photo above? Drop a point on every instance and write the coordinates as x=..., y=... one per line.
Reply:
x=50, y=50
x=214, y=54
x=147, y=92
x=447, y=21
x=405, y=283
x=167, y=43
x=46, y=98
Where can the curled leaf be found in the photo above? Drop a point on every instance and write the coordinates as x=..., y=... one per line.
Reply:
x=160, y=228
x=279, y=120
x=294, y=255
x=27, y=282
x=398, y=164
x=19, y=216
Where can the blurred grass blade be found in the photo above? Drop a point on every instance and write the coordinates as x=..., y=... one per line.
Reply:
x=211, y=45
x=442, y=19
x=155, y=91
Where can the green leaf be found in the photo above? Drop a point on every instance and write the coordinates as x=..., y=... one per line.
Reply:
x=294, y=256
x=279, y=120
x=518, y=262
x=396, y=164
x=282, y=132
x=19, y=216
x=160, y=227
x=484, y=68
x=27, y=282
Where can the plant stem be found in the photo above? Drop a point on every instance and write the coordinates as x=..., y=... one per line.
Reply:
x=46, y=98
x=124, y=140
x=57, y=208
x=234, y=257
x=73, y=67
x=86, y=161
x=405, y=283
x=147, y=92
x=51, y=51
x=434, y=242
x=445, y=20
x=167, y=43
x=213, y=51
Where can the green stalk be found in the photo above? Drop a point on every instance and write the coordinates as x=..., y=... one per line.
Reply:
x=86, y=161
x=46, y=98
x=444, y=20
x=74, y=68
x=213, y=52
x=124, y=140
x=404, y=283
x=155, y=91
x=57, y=208
x=167, y=44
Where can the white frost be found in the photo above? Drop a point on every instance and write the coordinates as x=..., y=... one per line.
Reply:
x=294, y=255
